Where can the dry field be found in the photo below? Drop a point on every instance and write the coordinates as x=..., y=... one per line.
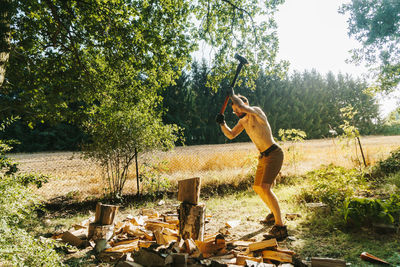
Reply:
x=75, y=177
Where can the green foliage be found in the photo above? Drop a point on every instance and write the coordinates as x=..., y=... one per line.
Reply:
x=375, y=25
x=151, y=176
x=17, y=246
x=390, y=165
x=349, y=130
x=292, y=136
x=332, y=185
x=364, y=212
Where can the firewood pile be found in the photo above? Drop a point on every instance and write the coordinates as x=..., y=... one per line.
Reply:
x=152, y=239
x=175, y=238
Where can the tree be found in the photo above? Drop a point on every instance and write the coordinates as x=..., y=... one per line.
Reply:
x=375, y=24
x=103, y=64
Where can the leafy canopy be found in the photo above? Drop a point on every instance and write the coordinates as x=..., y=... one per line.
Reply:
x=375, y=24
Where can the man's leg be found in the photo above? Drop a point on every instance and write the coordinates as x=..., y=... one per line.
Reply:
x=270, y=199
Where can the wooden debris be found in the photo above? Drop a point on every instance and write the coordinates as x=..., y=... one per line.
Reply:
x=71, y=239
x=125, y=246
x=139, y=220
x=191, y=221
x=150, y=213
x=241, y=259
x=190, y=246
x=97, y=231
x=371, y=258
x=147, y=257
x=277, y=256
x=262, y=245
x=105, y=214
x=327, y=262
x=211, y=248
x=189, y=190
x=232, y=224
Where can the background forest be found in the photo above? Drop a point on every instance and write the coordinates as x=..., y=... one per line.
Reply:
x=309, y=101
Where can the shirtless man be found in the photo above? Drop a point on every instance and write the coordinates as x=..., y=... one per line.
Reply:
x=254, y=121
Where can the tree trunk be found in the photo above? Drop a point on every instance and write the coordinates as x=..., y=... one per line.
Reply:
x=105, y=214
x=5, y=14
x=192, y=221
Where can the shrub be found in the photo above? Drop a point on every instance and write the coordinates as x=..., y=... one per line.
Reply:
x=364, y=211
x=389, y=165
x=17, y=246
x=332, y=185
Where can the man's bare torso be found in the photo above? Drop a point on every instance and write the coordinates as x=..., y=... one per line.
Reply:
x=258, y=129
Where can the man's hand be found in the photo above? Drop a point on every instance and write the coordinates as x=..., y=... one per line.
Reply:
x=220, y=119
x=230, y=92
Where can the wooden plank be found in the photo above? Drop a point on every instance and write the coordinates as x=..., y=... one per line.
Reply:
x=241, y=259
x=271, y=243
x=189, y=190
x=71, y=239
x=327, y=262
x=277, y=256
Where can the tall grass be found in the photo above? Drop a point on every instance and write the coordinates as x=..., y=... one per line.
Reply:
x=215, y=164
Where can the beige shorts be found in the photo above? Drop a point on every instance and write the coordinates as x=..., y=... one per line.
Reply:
x=268, y=167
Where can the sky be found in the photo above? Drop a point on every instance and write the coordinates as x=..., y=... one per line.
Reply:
x=312, y=34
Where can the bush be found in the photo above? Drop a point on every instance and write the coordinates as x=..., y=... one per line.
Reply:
x=332, y=185
x=364, y=212
x=17, y=246
x=388, y=166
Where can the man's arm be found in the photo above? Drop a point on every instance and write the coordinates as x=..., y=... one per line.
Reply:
x=246, y=108
x=231, y=133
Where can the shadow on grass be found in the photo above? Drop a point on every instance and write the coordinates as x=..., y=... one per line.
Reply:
x=62, y=206
x=324, y=234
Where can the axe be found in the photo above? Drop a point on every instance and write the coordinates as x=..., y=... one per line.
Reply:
x=242, y=61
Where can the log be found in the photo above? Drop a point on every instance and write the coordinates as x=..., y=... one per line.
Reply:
x=371, y=258
x=96, y=231
x=241, y=259
x=191, y=221
x=327, y=262
x=271, y=243
x=105, y=214
x=277, y=256
x=189, y=190
x=71, y=239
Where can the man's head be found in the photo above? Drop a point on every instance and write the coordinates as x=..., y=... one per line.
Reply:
x=237, y=109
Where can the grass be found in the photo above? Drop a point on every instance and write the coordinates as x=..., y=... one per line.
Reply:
x=317, y=233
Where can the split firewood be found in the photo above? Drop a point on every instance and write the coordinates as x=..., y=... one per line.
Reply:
x=190, y=247
x=71, y=239
x=81, y=233
x=171, y=219
x=210, y=237
x=241, y=259
x=167, y=231
x=211, y=248
x=124, y=246
x=84, y=224
x=139, y=220
x=164, y=239
x=251, y=263
x=157, y=225
x=327, y=262
x=232, y=224
x=146, y=244
x=262, y=245
x=287, y=251
x=371, y=258
x=277, y=256
x=150, y=213
x=189, y=190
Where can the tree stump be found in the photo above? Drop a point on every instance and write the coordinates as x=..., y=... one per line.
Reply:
x=105, y=214
x=192, y=221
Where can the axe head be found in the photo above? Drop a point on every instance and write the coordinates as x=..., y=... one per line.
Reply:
x=241, y=59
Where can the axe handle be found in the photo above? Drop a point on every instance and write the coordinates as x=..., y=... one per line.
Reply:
x=224, y=105
x=239, y=67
